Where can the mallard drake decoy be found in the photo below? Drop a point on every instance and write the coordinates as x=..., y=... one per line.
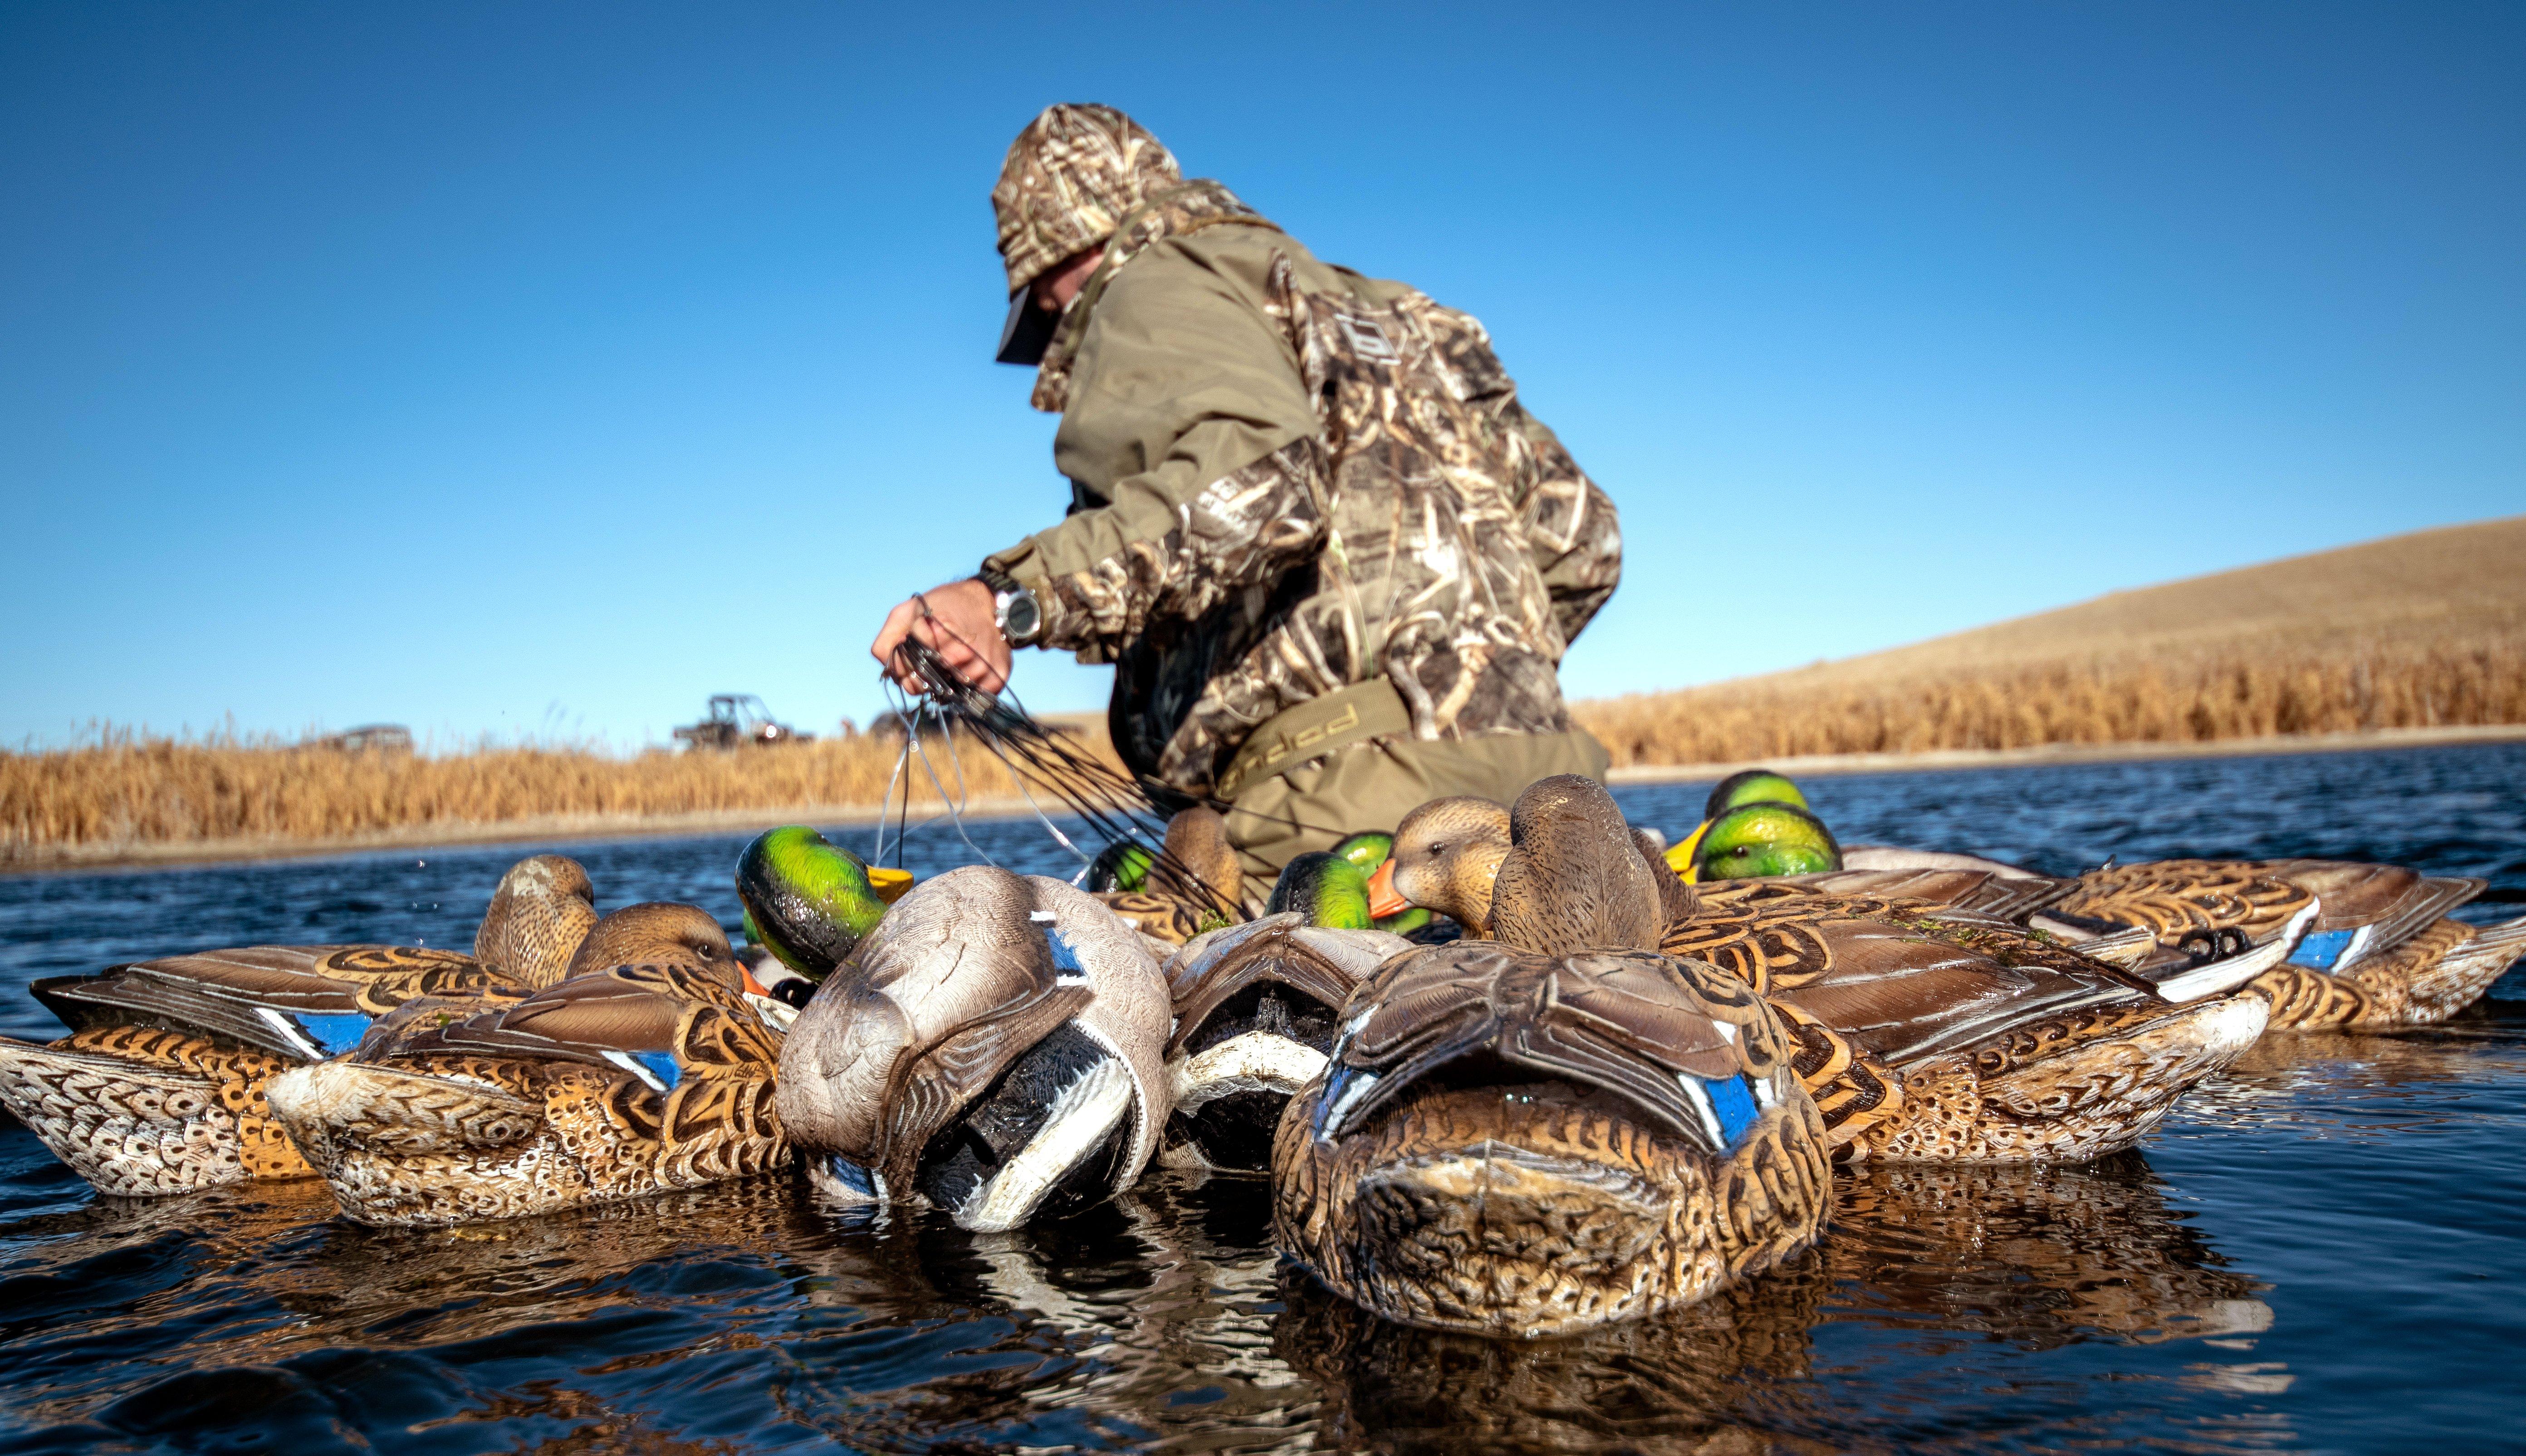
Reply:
x=1745, y=787
x=1369, y=850
x=1555, y=1129
x=1193, y=884
x=1764, y=839
x=2379, y=952
x=1930, y=1033
x=993, y=1049
x=809, y=902
x=159, y=1086
x=1254, y=1008
x=643, y=1075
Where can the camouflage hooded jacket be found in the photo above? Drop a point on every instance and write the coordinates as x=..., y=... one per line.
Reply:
x=1287, y=479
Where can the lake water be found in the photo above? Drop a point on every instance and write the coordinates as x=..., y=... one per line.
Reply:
x=2323, y=1251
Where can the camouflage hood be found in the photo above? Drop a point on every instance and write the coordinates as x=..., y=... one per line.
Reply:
x=1175, y=211
x=1070, y=178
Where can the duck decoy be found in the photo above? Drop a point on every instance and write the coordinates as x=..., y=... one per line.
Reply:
x=2379, y=951
x=1556, y=1129
x=808, y=902
x=1369, y=850
x=1445, y=856
x=1254, y=1007
x=644, y=1072
x=1930, y=1033
x=159, y=1086
x=1745, y=787
x=1193, y=884
x=993, y=1049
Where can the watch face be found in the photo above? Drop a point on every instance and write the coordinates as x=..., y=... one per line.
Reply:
x=1019, y=620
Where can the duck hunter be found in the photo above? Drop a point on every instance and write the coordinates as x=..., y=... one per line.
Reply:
x=1333, y=559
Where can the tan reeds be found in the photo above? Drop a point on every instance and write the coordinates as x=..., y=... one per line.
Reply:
x=124, y=790
x=2235, y=692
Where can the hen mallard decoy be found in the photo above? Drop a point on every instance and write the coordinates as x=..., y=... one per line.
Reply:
x=1254, y=1007
x=650, y=1074
x=1930, y=1033
x=2379, y=950
x=994, y=1048
x=159, y=1088
x=1553, y=1130
x=1444, y=857
x=1193, y=884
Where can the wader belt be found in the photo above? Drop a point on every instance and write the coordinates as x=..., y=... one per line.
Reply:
x=1315, y=728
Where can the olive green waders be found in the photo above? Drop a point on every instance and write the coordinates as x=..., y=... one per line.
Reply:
x=1287, y=797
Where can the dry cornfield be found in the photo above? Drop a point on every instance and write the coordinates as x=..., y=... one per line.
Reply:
x=124, y=789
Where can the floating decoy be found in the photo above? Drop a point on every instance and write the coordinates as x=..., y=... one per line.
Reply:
x=2380, y=950
x=995, y=1049
x=1193, y=884
x=809, y=902
x=159, y=1086
x=1254, y=1007
x=1745, y=787
x=650, y=1073
x=1930, y=1032
x=1557, y=1128
x=1446, y=855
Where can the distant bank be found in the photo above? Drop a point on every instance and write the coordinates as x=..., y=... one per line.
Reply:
x=2410, y=640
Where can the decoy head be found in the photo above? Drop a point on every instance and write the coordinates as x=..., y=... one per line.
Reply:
x=1751, y=786
x=1200, y=865
x=1762, y=839
x=540, y=914
x=1509, y=1143
x=1373, y=851
x=660, y=933
x=1446, y=855
x=810, y=901
x=1573, y=880
x=1327, y=889
x=1123, y=864
x=994, y=1047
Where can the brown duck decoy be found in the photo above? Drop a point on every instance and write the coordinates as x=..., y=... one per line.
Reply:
x=1928, y=1032
x=1195, y=883
x=159, y=1086
x=649, y=1075
x=1556, y=1129
x=993, y=1049
x=1254, y=1008
x=2380, y=950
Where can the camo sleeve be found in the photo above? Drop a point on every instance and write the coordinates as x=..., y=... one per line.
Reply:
x=1187, y=400
x=1571, y=529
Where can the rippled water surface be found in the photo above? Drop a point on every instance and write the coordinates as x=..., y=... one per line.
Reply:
x=2323, y=1251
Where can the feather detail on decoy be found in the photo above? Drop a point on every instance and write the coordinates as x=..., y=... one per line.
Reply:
x=647, y=1076
x=995, y=1049
x=1932, y=1033
x=1193, y=884
x=159, y=1088
x=1254, y=1007
x=2377, y=951
x=1509, y=1143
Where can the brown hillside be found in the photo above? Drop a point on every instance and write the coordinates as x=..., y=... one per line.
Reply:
x=2427, y=630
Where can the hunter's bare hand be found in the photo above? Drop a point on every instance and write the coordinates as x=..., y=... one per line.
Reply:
x=960, y=625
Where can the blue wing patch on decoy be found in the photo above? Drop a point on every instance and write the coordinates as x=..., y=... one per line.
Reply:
x=335, y=1033
x=2322, y=951
x=1734, y=1102
x=1066, y=969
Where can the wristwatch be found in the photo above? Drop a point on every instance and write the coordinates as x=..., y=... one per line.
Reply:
x=1014, y=609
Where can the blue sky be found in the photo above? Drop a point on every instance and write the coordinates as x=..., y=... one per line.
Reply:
x=539, y=369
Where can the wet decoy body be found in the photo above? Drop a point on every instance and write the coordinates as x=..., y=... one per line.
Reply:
x=1254, y=1008
x=649, y=1075
x=2378, y=952
x=1556, y=1129
x=995, y=1049
x=1929, y=1032
x=1195, y=883
x=159, y=1086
